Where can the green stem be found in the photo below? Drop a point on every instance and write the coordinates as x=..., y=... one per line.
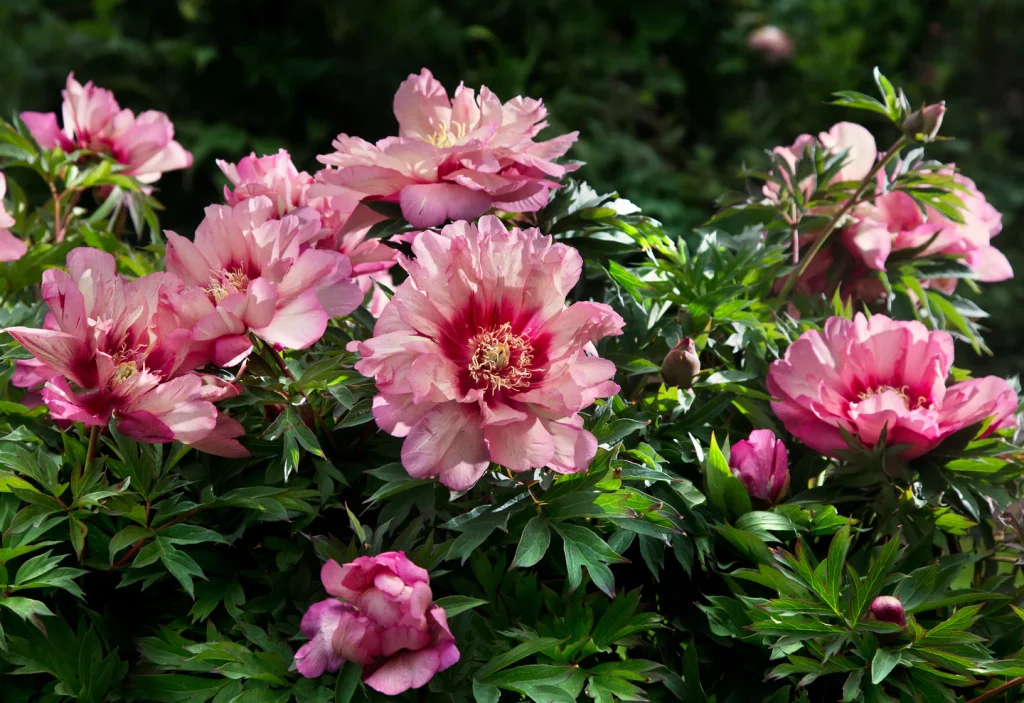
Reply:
x=94, y=437
x=855, y=199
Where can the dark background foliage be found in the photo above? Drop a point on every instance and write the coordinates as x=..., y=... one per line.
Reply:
x=668, y=100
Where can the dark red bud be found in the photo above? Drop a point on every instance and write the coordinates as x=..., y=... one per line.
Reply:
x=888, y=609
x=681, y=365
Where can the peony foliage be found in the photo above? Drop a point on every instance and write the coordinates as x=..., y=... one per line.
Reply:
x=434, y=420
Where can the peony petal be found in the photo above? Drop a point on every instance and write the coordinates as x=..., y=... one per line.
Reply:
x=432, y=204
x=447, y=442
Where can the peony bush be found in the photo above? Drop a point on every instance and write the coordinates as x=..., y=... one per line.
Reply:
x=434, y=420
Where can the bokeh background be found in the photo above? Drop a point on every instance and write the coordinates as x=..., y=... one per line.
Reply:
x=669, y=99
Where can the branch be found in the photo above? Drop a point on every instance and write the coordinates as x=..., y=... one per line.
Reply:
x=1013, y=683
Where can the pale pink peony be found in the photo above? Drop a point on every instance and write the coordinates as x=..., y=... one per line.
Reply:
x=454, y=159
x=116, y=348
x=893, y=223
x=344, y=224
x=255, y=275
x=478, y=359
x=762, y=464
x=387, y=624
x=94, y=121
x=843, y=136
x=863, y=375
x=11, y=248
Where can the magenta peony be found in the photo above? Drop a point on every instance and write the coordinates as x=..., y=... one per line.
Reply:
x=11, y=248
x=453, y=159
x=477, y=358
x=761, y=462
x=863, y=375
x=387, y=624
x=94, y=121
x=343, y=226
x=893, y=222
x=117, y=348
x=255, y=276
x=888, y=609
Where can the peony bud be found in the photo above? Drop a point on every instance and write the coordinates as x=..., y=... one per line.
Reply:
x=762, y=464
x=923, y=125
x=681, y=365
x=888, y=609
x=773, y=44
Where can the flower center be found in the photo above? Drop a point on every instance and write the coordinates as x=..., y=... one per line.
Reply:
x=501, y=359
x=227, y=283
x=444, y=137
x=124, y=371
x=902, y=392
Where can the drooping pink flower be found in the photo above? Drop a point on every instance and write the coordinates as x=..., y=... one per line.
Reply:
x=344, y=224
x=477, y=358
x=255, y=276
x=94, y=121
x=116, y=349
x=893, y=223
x=387, y=624
x=863, y=375
x=761, y=462
x=454, y=159
x=11, y=248
x=843, y=136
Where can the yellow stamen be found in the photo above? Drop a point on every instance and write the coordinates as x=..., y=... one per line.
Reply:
x=492, y=361
x=444, y=138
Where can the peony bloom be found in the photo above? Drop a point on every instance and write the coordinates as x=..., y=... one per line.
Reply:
x=255, y=276
x=454, y=159
x=387, y=624
x=865, y=375
x=11, y=248
x=116, y=348
x=94, y=121
x=761, y=462
x=477, y=358
x=772, y=43
x=843, y=136
x=894, y=223
x=343, y=226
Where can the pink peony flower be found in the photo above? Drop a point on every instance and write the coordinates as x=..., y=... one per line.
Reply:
x=894, y=223
x=94, y=121
x=388, y=625
x=477, y=358
x=11, y=248
x=453, y=159
x=761, y=462
x=116, y=349
x=254, y=275
x=343, y=226
x=843, y=136
x=772, y=43
x=863, y=375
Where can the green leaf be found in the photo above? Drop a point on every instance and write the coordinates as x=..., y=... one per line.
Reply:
x=725, y=491
x=515, y=654
x=884, y=661
x=26, y=608
x=485, y=693
x=453, y=605
x=833, y=581
x=533, y=544
x=348, y=681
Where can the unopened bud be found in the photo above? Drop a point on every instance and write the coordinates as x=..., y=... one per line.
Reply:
x=923, y=125
x=772, y=43
x=889, y=609
x=681, y=365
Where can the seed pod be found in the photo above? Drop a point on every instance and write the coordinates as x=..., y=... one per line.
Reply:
x=681, y=365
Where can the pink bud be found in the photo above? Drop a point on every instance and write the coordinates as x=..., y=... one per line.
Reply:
x=888, y=609
x=923, y=125
x=773, y=44
x=761, y=462
x=681, y=365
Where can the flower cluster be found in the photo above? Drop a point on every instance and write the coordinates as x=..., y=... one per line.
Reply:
x=453, y=159
x=387, y=623
x=93, y=121
x=478, y=359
